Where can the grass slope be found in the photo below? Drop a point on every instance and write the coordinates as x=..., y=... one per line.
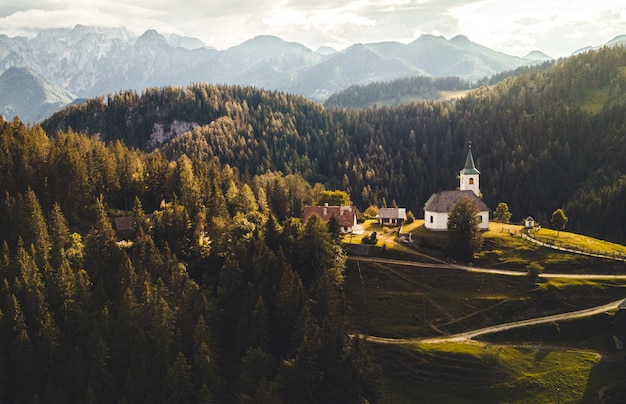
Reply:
x=569, y=361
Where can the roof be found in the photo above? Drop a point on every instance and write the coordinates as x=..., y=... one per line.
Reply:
x=345, y=214
x=444, y=201
x=469, y=168
x=392, y=213
x=123, y=223
x=529, y=219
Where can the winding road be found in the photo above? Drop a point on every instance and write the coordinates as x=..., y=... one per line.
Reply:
x=467, y=336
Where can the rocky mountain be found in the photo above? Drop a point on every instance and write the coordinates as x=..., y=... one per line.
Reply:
x=25, y=93
x=92, y=61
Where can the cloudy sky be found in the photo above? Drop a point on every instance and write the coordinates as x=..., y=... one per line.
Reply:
x=556, y=27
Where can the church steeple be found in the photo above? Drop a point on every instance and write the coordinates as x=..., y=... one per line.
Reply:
x=469, y=178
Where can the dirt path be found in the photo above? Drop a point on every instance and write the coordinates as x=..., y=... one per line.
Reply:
x=487, y=270
x=466, y=336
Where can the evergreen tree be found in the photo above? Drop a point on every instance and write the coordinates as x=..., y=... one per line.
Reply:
x=104, y=259
x=314, y=251
x=35, y=230
x=178, y=387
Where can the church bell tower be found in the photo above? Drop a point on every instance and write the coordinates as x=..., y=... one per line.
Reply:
x=469, y=176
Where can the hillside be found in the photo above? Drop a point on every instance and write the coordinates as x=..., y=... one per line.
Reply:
x=26, y=94
x=550, y=138
x=422, y=88
x=400, y=91
x=433, y=325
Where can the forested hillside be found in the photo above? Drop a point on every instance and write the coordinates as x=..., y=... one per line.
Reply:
x=220, y=294
x=397, y=92
x=549, y=138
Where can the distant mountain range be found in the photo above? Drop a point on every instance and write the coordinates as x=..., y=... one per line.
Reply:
x=94, y=61
x=25, y=93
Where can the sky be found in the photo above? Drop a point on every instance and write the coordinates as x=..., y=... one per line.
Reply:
x=555, y=27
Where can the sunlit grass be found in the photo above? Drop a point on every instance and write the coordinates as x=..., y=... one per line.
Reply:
x=578, y=242
x=386, y=236
x=494, y=373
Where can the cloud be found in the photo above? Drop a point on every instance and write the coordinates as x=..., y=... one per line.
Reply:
x=556, y=26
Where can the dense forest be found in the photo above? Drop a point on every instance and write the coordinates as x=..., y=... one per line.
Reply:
x=219, y=294
x=552, y=137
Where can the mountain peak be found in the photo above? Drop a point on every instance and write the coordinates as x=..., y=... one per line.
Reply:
x=538, y=55
x=460, y=40
x=151, y=36
x=25, y=93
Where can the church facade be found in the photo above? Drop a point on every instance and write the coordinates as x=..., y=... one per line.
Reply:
x=439, y=205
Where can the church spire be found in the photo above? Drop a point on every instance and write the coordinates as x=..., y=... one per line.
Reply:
x=470, y=167
x=469, y=178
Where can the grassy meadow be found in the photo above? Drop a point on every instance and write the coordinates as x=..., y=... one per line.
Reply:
x=569, y=361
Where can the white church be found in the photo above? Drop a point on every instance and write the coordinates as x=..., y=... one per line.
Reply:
x=439, y=205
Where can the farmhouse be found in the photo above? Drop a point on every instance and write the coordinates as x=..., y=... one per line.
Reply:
x=345, y=214
x=439, y=205
x=391, y=216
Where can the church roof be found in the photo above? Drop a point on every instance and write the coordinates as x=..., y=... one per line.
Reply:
x=443, y=201
x=469, y=168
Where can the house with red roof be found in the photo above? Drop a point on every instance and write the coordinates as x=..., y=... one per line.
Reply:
x=345, y=214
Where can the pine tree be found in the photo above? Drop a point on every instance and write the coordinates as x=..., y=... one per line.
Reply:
x=105, y=261
x=178, y=387
x=35, y=230
x=205, y=371
x=315, y=250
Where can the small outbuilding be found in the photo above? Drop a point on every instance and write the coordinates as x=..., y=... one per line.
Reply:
x=529, y=222
x=391, y=216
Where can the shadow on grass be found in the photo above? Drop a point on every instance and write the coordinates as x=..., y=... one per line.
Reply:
x=607, y=380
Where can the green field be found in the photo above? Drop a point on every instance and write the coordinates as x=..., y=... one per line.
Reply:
x=567, y=361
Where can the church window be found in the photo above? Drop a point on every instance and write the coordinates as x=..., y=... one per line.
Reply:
x=471, y=181
x=432, y=219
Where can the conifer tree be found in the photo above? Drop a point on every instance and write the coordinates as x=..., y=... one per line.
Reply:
x=35, y=230
x=104, y=259
x=178, y=387
x=314, y=250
